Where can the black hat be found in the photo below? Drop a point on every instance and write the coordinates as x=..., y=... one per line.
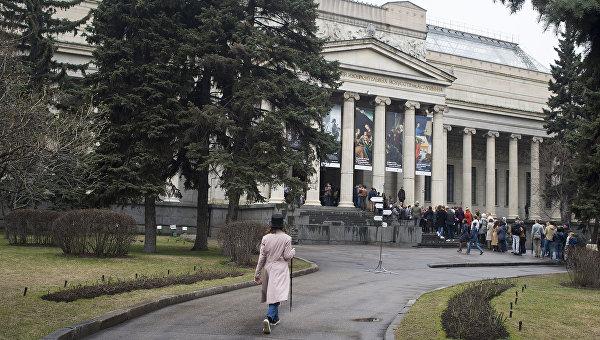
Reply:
x=277, y=221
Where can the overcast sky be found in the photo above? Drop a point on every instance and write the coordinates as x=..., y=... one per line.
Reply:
x=487, y=15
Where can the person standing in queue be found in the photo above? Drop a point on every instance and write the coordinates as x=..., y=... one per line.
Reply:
x=272, y=270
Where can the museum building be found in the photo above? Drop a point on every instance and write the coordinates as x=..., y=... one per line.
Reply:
x=452, y=117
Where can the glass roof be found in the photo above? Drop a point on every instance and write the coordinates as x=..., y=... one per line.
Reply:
x=474, y=46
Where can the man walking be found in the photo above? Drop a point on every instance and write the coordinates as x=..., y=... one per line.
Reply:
x=416, y=214
x=536, y=234
x=474, y=237
x=516, y=232
x=272, y=270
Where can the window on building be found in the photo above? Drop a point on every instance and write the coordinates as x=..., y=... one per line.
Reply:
x=427, y=188
x=496, y=187
x=450, y=181
x=506, y=187
x=473, y=186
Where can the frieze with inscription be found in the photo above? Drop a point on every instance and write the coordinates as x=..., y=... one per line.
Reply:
x=401, y=83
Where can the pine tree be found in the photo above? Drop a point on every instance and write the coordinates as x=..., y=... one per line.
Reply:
x=564, y=109
x=36, y=25
x=275, y=57
x=137, y=87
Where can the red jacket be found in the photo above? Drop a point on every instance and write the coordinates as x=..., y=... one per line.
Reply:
x=469, y=217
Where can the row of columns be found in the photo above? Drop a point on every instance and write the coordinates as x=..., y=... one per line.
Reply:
x=414, y=185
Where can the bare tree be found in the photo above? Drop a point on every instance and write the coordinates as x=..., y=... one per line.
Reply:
x=43, y=152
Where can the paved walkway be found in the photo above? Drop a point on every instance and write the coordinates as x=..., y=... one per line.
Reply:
x=325, y=303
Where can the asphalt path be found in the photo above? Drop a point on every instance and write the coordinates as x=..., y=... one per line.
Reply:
x=326, y=303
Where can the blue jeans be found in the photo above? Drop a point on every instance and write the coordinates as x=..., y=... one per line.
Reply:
x=471, y=242
x=273, y=312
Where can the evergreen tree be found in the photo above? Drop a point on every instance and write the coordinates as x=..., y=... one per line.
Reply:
x=564, y=109
x=274, y=56
x=36, y=25
x=137, y=88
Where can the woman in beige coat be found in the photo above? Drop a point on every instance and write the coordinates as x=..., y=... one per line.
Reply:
x=272, y=270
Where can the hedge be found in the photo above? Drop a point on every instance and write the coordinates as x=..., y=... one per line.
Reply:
x=30, y=227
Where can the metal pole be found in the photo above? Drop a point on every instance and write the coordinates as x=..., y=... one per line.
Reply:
x=291, y=278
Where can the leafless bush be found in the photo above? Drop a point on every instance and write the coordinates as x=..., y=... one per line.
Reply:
x=30, y=227
x=241, y=240
x=583, y=265
x=470, y=315
x=101, y=233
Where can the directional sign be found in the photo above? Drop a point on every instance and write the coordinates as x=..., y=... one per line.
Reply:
x=379, y=206
x=159, y=227
x=377, y=199
x=384, y=224
x=378, y=218
x=173, y=227
x=184, y=228
x=387, y=212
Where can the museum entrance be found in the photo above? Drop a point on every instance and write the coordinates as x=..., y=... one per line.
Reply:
x=331, y=177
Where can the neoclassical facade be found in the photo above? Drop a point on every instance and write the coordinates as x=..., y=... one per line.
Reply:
x=467, y=112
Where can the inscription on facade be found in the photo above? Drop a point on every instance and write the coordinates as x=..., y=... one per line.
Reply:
x=407, y=84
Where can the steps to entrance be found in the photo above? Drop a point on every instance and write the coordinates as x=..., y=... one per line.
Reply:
x=431, y=240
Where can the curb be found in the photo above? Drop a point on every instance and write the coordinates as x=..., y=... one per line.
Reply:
x=110, y=319
x=493, y=264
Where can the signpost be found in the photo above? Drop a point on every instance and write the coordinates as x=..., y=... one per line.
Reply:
x=380, y=213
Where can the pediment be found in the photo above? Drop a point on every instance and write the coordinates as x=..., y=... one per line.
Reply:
x=374, y=56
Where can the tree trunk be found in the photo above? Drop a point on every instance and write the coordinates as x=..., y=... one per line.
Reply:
x=233, y=208
x=565, y=209
x=202, y=213
x=595, y=238
x=150, y=224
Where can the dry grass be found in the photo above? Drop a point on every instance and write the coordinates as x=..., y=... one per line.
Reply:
x=548, y=310
x=44, y=269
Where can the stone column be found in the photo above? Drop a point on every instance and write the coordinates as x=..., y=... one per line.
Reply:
x=379, y=144
x=314, y=182
x=277, y=192
x=447, y=129
x=467, y=163
x=534, y=208
x=347, y=166
x=439, y=154
x=490, y=172
x=408, y=156
x=420, y=189
x=513, y=180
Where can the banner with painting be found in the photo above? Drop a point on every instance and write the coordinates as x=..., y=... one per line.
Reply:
x=363, y=138
x=394, y=135
x=423, y=144
x=332, y=123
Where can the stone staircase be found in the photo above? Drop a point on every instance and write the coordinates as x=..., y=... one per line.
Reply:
x=431, y=240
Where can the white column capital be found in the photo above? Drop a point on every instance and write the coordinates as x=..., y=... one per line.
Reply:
x=412, y=105
x=493, y=134
x=447, y=128
x=441, y=109
x=515, y=136
x=382, y=100
x=469, y=131
x=351, y=96
x=536, y=139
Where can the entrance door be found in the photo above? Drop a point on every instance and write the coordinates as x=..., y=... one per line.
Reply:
x=330, y=176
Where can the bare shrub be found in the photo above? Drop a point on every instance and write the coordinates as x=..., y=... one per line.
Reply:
x=241, y=240
x=470, y=315
x=583, y=265
x=101, y=233
x=122, y=286
x=30, y=227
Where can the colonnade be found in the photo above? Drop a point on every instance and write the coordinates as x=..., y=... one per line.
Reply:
x=413, y=185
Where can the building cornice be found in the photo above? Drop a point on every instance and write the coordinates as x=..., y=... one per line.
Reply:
x=496, y=109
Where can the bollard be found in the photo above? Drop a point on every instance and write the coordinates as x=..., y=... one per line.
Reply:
x=194, y=268
x=517, y=293
x=510, y=314
x=520, y=326
x=25, y=291
x=65, y=284
x=168, y=271
x=102, y=278
x=511, y=306
x=136, y=276
x=516, y=300
x=523, y=289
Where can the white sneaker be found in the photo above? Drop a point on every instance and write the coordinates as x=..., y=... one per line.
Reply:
x=266, y=326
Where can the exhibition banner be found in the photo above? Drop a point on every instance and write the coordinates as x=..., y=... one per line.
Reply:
x=394, y=136
x=363, y=138
x=423, y=144
x=332, y=123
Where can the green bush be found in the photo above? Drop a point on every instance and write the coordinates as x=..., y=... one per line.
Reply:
x=241, y=240
x=470, y=315
x=100, y=233
x=30, y=227
x=583, y=265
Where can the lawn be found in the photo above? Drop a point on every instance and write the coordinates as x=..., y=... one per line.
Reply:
x=548, y=310
x=44, y=269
